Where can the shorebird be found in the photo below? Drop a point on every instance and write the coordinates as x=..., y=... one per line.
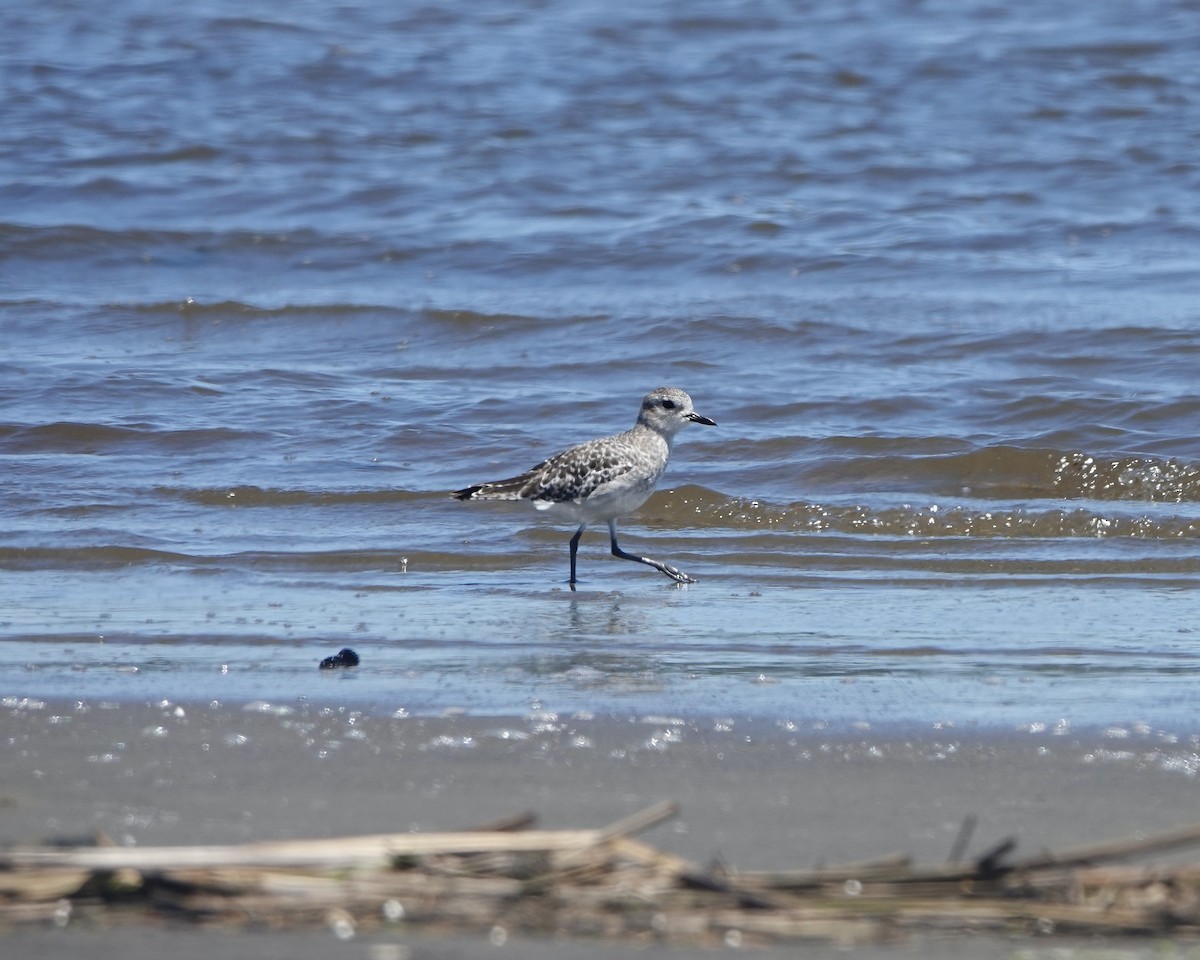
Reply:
x=606, y=478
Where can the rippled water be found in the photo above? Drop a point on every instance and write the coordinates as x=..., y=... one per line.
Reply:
x=274, y=280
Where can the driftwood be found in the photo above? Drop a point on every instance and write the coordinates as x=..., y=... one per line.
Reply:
x=509, y=878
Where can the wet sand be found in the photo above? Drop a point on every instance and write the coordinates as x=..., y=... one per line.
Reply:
x=758, y=796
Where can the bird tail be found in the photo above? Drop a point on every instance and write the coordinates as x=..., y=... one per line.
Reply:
x=511, y=489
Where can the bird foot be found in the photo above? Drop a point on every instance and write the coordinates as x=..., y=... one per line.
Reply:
x=677, y=575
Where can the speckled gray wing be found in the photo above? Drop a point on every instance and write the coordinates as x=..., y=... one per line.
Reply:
x=577, y=473
x=573, y=474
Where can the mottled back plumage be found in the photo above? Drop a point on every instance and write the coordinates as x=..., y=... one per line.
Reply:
x=606, y=478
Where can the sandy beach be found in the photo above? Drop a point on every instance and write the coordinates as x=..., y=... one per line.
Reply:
x=754, y=796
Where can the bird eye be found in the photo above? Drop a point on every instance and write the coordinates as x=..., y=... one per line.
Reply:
x=668, y=404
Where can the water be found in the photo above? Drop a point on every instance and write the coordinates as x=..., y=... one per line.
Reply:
x=274, y=280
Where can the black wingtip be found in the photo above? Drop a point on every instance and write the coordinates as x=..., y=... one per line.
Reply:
x=466, y=493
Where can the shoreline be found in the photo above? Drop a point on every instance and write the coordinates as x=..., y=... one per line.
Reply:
x=753, y=795
x=198, y=773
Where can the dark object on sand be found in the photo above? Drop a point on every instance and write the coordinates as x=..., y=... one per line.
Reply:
x=343, y=658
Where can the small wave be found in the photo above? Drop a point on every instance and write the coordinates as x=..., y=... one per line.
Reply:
x=998, y=472
x=474, y=321
x=97, y=438
x=193, y=153
x=98, y=557
x=702, y=508
x=117, y=556
x=1116, y=51
x=1077, y=475
x=1072, y=475
x=240, y=310
x=252, y=496
x=934, y=520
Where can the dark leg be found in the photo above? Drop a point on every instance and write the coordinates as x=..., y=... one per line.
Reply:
x=574, y=550
x=670, y=571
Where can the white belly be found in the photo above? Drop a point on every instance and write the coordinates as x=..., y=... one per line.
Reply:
x=603, y=505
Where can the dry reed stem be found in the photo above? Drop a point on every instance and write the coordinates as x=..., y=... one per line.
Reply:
x=603, y=882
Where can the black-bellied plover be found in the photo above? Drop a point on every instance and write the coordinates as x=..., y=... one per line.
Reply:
x=606, y=478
